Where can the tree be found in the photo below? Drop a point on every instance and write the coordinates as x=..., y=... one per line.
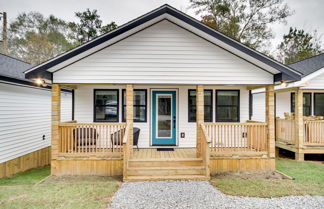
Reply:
x=298, y=45
x=34, y=38
x=246, y=21
x=90, y=25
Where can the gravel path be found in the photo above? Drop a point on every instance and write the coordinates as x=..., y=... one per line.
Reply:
x=199, y=194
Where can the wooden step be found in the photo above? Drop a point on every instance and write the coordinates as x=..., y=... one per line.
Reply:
x=168, y=162
x=167, y=171
x=164, y=178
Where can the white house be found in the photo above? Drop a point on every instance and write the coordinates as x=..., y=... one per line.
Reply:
x=25, y=118
x=311, y=89
x=146, y=75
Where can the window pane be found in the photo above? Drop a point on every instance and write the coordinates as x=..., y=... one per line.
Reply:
x=192, y=98
x=164, y=116
x=307, y=97
x=208, y=98
x=227, y=98
x=106, y=113
x=139, y=97
x=208, y=114
x=192, y=114
x=319, y=104
x=227, y=114
x=139, y=114
x=106, y=97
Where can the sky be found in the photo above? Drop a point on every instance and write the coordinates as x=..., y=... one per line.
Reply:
x=308, y=14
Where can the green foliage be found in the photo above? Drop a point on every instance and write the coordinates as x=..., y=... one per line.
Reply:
x=34, y=38
x=246, y=21
x=298, y=45
x=90, y=25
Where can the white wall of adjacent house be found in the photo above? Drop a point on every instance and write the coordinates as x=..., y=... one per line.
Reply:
x=84, y=109
x=163, y=53
x=25, y=117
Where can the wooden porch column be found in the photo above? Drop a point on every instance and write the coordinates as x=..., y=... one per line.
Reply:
x=56, y=119
x=270, y=119
x=299, y=124
x=129, y=113
x=199, y=115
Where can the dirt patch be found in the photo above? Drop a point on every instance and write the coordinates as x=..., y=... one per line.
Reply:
x=247, y=175
x=79, y=179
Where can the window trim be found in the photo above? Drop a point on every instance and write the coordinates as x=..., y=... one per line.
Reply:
x=94, y=105
x=211, y=105
x=238, y=105
x=315, y=102
x=292, y=108
x=122, y=105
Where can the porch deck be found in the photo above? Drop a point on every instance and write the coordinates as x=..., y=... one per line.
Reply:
x=152, y=153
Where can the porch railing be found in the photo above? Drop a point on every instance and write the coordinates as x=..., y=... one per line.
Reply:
x=205, y=150
x=285, y=130
x=314, y=132
x=91, y=137
x=237, y=137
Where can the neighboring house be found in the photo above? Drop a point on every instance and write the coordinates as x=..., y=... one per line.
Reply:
x=145, y=75
x=25, y=118
x=301, y=135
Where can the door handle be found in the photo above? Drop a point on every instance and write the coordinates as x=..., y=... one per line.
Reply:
x=174, y=121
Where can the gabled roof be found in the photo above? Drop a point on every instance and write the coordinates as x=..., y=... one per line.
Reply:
x=281, y=71
x=309, y=65
x=12, y=67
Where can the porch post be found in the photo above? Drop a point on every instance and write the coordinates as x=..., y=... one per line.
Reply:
x=299, y=124
x=56, y=119
x=129, y=113
x=270, y=119
x=199, y=116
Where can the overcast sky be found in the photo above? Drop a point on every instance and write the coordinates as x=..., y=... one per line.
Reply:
x=308, y=15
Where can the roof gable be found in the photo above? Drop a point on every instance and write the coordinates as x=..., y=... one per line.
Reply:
x=164, y=12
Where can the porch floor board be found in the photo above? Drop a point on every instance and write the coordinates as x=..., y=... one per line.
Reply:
x=180, y=153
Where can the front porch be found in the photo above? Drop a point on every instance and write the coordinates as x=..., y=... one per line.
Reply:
x=105, y=148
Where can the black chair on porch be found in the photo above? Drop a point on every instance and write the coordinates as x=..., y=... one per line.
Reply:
x=117, y=137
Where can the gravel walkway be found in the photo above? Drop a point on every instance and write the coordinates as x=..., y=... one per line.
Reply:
x=199, y=194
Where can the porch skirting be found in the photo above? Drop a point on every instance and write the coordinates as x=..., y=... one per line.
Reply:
x=34, y=159
x=219, y=165
x=114, y=167
x=87, y=167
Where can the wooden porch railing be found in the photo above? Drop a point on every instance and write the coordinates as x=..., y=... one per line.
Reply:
x=205, y=150
x=285, y=130
x=76, y=138
x=314, y=132
x=237, y=137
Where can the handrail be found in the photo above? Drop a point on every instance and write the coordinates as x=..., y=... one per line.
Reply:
x=208, y=140
x=234, y=124
x=91, y=124
x=125, y=138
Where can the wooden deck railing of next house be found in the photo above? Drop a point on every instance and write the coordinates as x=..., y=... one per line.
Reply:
x=285, y=130
x=240, y=138
x=91, y=138
x=205, y=150
x=314, y=132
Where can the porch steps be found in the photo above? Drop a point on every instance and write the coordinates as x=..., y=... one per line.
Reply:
x=165, y=169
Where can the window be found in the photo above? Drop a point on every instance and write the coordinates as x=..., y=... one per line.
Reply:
x=208, y=101
x=140, y=105
x=319, y=104
x=106, y=105
x=307, y=103
x=227, y=105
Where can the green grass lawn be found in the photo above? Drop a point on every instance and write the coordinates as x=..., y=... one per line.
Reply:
x=20, y=191
x=309, y=180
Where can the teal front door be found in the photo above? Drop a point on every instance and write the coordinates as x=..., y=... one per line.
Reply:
x=164, y=118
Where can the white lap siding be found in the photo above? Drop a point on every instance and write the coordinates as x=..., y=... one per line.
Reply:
x=258, y=113
x=163, y=54
x=25, y=116
x=84, y=110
